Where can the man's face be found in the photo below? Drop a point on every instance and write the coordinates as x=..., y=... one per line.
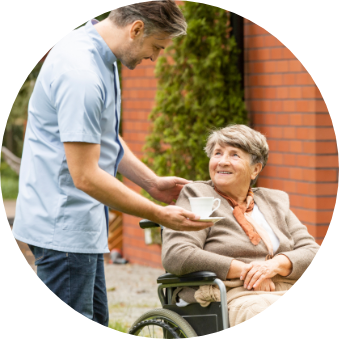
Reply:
x=144, y=48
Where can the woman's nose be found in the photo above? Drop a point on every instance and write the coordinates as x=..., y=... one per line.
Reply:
x=224, y=160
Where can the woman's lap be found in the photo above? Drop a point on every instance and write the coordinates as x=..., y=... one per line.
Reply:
x=244, y=304
x=245, y=307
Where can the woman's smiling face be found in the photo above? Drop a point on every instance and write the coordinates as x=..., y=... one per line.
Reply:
x=231, y=169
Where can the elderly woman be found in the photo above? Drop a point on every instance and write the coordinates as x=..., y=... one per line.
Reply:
x=259, y=249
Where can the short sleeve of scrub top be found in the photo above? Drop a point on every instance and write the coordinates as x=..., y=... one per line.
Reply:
x=78, y=97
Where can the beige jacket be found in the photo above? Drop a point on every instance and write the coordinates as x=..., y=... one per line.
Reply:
x=214, y=248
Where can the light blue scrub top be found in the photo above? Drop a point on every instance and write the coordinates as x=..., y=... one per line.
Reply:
x=76, y=98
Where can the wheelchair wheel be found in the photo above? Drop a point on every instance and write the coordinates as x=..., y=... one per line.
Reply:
x=161, y=323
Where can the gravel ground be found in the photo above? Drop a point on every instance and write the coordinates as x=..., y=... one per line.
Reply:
x=132, y=291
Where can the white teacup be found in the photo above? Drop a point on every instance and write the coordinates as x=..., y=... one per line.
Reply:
x=203, y=206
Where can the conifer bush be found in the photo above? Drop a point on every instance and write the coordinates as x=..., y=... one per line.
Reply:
x=199, y=89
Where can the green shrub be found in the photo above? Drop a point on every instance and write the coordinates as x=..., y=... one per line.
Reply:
x=199, y=88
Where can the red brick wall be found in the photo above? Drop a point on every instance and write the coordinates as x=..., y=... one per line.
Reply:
x=285, y=104
x=139, y=88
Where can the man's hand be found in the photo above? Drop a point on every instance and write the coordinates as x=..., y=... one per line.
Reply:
x=179, y=219
x=167, y=189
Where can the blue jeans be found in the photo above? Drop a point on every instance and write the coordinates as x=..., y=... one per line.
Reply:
x=77, y=279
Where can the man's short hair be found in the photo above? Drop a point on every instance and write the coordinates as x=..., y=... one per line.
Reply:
x=158, y=16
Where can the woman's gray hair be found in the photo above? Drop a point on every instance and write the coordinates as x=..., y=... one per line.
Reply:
x=243, y=137
x=157, y=16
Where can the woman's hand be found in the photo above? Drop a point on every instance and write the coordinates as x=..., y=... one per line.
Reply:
x=256, y=272
x=267, y=285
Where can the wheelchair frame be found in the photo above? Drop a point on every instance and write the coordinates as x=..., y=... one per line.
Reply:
x=192, y=312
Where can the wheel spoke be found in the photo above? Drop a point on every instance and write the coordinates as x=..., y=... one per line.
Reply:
x=165, y=324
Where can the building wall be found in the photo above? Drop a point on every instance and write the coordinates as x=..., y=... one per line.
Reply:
x=285, y=105
x=139, y=88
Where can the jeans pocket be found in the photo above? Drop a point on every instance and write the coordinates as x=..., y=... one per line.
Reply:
x=38, y=253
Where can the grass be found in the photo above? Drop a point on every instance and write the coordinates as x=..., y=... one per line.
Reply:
x=9, y=182
x=9, y=188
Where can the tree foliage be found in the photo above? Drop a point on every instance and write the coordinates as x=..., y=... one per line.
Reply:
x=199, y=89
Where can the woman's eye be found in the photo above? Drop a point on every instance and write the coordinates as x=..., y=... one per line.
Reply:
x=236, y=155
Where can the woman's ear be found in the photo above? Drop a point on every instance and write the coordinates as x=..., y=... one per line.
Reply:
x=256, y=170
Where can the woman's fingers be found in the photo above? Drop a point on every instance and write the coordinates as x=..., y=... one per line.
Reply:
x=249, y=276
x=256, y=280
x=263, y=284
x=245, y=270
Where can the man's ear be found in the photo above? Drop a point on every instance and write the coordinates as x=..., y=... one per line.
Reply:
x=137, y=29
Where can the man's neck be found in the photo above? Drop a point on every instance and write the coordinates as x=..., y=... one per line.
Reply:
x=112, y=35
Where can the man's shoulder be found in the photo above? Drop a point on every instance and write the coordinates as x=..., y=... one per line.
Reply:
x=74, y=52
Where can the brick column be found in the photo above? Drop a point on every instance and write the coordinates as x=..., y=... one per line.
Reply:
x=285, y=104
x=139, y=89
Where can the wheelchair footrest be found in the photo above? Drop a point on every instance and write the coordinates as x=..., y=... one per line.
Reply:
x=169, y=278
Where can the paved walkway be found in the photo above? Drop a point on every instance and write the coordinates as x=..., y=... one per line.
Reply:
x=10, y=208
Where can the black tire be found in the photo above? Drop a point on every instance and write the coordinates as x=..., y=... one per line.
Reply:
x=162, y=330
x=169, y=325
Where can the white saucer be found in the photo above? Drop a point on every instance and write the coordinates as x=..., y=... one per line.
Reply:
x=213, y=219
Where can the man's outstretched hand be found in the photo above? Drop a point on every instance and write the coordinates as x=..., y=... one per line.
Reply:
x=167, y=189
x=179, y=219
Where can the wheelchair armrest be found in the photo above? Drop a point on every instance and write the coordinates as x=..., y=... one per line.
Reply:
x=202, y=276
x=147, y=224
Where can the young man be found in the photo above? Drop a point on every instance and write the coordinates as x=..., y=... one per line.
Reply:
x=72, y=152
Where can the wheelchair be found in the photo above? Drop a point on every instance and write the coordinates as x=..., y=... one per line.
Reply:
x=193, y=320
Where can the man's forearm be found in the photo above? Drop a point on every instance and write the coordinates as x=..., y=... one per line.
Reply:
x=111, y=192
x=135, y=170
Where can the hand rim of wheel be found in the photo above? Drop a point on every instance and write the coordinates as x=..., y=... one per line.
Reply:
x=135, y=330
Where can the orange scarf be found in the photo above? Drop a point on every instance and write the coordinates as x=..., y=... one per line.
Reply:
x=254, y=231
